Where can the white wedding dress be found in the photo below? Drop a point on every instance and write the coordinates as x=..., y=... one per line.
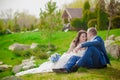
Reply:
x=48, y=66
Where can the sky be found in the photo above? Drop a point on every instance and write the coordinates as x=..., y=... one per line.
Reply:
x=31, y=6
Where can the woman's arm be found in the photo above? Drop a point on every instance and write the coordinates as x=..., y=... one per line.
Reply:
x=72, y=46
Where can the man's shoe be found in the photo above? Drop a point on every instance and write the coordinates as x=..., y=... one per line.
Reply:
x=74, y=68
x=104, y=66
x=61, y=70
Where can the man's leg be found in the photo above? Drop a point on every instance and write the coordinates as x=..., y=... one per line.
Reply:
x=71, y=62
x=91, y=58
x=67, y=67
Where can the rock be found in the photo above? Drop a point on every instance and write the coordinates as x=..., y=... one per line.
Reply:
x=111, y=37
x=1, y=62
x=33, y=45
x=49, y=52
x=28, y=64
x=66, y=27
x=17, y=68
x=4, y=67
x=11, y=78
x=113, y=50
x=35, y=30
x=117, y=38
x=108, y=42
x=25, y=65
x=17, y=46
x=32, y=58
x=8, y=31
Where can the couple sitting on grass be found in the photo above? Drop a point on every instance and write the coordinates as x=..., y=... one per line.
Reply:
x=86, y=50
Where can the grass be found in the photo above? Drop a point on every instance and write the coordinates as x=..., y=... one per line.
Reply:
x=62, y=41
x=110, y=73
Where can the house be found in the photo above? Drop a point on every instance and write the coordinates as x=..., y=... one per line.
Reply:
x=70, y=13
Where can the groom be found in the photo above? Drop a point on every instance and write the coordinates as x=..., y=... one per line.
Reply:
x=94, y=57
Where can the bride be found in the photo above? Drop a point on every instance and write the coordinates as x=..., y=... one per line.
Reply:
x=48, y=66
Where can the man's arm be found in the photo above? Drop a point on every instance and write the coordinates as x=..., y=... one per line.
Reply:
x=92, y=43
x=96, y=42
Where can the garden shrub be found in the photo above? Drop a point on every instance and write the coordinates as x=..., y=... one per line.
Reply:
x=92, y=23
x=39, y=52
x=115, y=22
x=76, y=23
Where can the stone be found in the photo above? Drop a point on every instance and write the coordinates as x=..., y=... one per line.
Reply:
x=35, y=30
x=4, y=67
x=108, y=42
x=117, y=38
x=17, y=46
x=28, y=64
x=111, y=37
x=8, y=31
x=1, y=62
x=113, y=50
x=11, y=78
x=32, y=57
x=17, y=68
x=33, y=45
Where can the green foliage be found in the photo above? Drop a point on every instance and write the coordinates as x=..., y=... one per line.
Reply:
x=102, y=17
x=86, y=14
x=92, y=23
x=76, y=4
x=50, y=7
x=86, y=5
x=102, y=20
x=115, y=22
x=2, y=27
x=66, y=21
x=85, y=18
x=40, y=52
x=61, y=42
x=77, y=23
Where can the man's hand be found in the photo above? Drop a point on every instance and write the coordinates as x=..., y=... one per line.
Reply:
x=77, y=48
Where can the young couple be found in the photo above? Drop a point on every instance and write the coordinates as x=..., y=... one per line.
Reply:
x=89, y=54
x=86, y=50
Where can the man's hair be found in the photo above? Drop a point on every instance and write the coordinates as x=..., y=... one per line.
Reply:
x=93, y=30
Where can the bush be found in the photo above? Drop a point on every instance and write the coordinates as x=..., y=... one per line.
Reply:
x=115, y=22
x=40, y=52
x=92, y=23
x=102, y=19
x=22, y=53
x=77, y=23
x=2, y=27
x=66, y=21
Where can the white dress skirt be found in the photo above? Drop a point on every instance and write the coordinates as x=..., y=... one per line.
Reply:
x=48, y=66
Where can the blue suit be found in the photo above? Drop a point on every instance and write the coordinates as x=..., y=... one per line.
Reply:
x=94, y=57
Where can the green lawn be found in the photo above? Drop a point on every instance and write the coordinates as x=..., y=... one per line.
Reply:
x=110, y=73
x=62, y=41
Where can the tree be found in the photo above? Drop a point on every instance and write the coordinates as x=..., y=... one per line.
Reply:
x=48, y=18
x=111, y=11
x=85, y=16
x=102, y=18
x=77, y=23
x=25, y=21
x=2, y=27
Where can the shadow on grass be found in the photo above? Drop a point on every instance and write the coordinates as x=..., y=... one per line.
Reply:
x=113, y=73
x=109, y=72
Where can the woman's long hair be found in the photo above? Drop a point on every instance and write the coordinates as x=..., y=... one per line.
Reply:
x=76, y=40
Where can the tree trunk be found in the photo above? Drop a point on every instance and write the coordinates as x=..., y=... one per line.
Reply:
x=110, y=21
